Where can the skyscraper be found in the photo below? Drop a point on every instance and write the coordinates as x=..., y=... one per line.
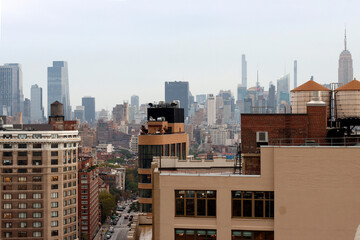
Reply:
x=26, y=112
x=11, y=89
x=58, y=86
x=283, y=92
x=89, y=104
x=178, y=91
x=243, y=71
x=37, y=109
x=211, y=109
x=135, y=102
x=295, y=73
x=345, y=72
x=271, y=99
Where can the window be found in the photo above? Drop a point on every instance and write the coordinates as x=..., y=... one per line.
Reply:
x=36, y=170
x=7, y=234
x=7, y=145
x=244, y=235
x=37, y=234
x=37, y=215
x=22, y=206
x=22, y=145
x=36, y=187
x=54, y=204
x=7, y=162
x=7, y=196
x=37, y=205
x=54, y=223
x=7, y=170
x=54, y=195
x=22, y=195
x=7, y=154
x=54, y=170
x=22, y=179
x=22, y=162
x=54, y=214
x=22, y=187
x=36, y=162
x=54, y=178
x=8, y=225
x=22, y=170
x=36, y=195
x=7, y=179
x=22, y=154
x=54, y=233
x=7, y=206
x=36, y=179
x=37, y=224
x=195, y=203
x=7, y=215
x=54, y=186
x=22, y=215
x=252, y=204
x=54, y=145
x=54, y=162
x=7, y=187
x=185, y=234
x=36, y=154
x=146, y=153
x=37, y=145
x=22, y=224
x=22, y=234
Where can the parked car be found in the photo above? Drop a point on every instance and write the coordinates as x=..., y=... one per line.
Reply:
x=108, y=235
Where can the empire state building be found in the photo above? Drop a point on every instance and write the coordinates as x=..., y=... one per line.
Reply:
x=345, y=66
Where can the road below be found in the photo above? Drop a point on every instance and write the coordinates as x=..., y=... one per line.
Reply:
x=121, y=229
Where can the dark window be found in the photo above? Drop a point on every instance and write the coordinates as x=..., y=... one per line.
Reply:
x=7, y=170
x=195, y=203
x=22, y=154
x=172, y=149
x=242, y=235
x=22, y=145
x=37, y=145
x=145, y=207
x=167, y=150
x=22, y=170
x=183, y=151
x=145, y=193
x=36, y=170
x=36, y=162
x=37, y=154
x=54, y=162
x=196, y=234
x=22, y=187
x=54, y=170
x=22, y=162
x=178, y=151
x=36, y=187
x=54, y=145
x=145, y=178
x=54, y=186
x=54, y=233
x=54, y=154
x=7, y=145
x=146, y=154
x=252, y=204
x=7, y=154
x=22, y=234
x=36, y=179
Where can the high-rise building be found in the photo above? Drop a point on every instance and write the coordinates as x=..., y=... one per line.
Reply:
x=121, y=113
x=26, y=112
x=201, y=98
x=165, y=136
x=211, y=109
x=89, y=104
x=345, y=71
x=38, y=171
x=79, y=113
x=135, y=102
x=271, y=99
x=243, y=71
x=37, y=109
x=295, y=74
x=283, y=91
x=58, y=86
x=178, y=91
x=11, y=89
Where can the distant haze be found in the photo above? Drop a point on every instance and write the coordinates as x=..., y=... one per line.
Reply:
x=115, y=49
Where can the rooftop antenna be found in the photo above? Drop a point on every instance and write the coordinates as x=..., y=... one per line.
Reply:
x=345, y=38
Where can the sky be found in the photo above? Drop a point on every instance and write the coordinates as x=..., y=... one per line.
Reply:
x=117, y=48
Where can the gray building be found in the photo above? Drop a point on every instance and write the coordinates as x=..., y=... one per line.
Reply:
x=345, y=71
x=26, y=112
x=243, y=71
x=11, y=89
x=135, y=102
x=58, y=86
x=178, y=91
x=79, y=114
x=89, y=105
x=37, y=109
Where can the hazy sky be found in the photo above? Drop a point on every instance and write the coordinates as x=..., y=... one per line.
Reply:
x=116, y=48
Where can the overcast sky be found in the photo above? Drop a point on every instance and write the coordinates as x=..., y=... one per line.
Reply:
x=117, y=48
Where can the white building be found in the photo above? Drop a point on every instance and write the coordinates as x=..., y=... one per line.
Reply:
x=211, y=109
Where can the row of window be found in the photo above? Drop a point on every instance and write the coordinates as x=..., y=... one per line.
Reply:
x=36, y=162
x=22, y=187
x=22, y=224
x=9, y=215
x=22, y=170
x=22, y=234
x=201, y=234
x=22, y=205
x=202, y=203
x=8, y=196
x=22, y=179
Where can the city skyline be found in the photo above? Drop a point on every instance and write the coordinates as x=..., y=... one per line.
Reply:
x=207, y=51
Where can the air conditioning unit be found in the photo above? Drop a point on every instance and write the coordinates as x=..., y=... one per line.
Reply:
x=262, y=137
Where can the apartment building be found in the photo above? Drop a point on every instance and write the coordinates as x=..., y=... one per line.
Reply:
x=38, y=171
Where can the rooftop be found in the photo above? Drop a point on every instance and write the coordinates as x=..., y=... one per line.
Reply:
x=354, y=85
x=310, y=85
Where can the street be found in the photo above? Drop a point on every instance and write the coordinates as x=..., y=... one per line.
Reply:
x=121, y=229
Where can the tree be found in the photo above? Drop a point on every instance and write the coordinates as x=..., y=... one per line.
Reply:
x=107, y=203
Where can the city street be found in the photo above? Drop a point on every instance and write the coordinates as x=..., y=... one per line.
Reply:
x=121, y=229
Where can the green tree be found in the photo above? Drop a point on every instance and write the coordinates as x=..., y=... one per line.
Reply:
x=131, y=179
x=107, y=204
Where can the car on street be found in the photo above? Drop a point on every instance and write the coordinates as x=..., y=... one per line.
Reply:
x=108, y=235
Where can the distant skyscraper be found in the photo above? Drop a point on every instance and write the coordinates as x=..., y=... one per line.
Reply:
x=37, y=109
x=211, y=109
x=178, y=91
x=201, y=98
x=79, y=113
x=295, y=73
x=271, y=99
x=11, y=89
x=243, y=71
x=58, y=86
x=345, y=65
x=26, y=111
x=89, y=104
x=135, y=102
x=283, y=91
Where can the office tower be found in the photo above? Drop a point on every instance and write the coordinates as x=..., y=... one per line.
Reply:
x=201, y=98
x=89, y=104
x=271, y=99
x=11, y=89
x=58, y=86
x=211, y=109
x=38, y=171
x=295, y=73
x=241, y=93
x=345, y=71
x=178, y=91
x=165, y=136
x=37, y=109
x=79, y=113
x=135, y=102
x=243, y=71
x=283, y=92
x=121, y=113
x=88, y=197
x=26, y=112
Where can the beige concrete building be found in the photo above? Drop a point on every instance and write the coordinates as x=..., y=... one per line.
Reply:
x=306, y=192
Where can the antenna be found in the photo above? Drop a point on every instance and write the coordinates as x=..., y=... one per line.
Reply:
x=345, y=38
